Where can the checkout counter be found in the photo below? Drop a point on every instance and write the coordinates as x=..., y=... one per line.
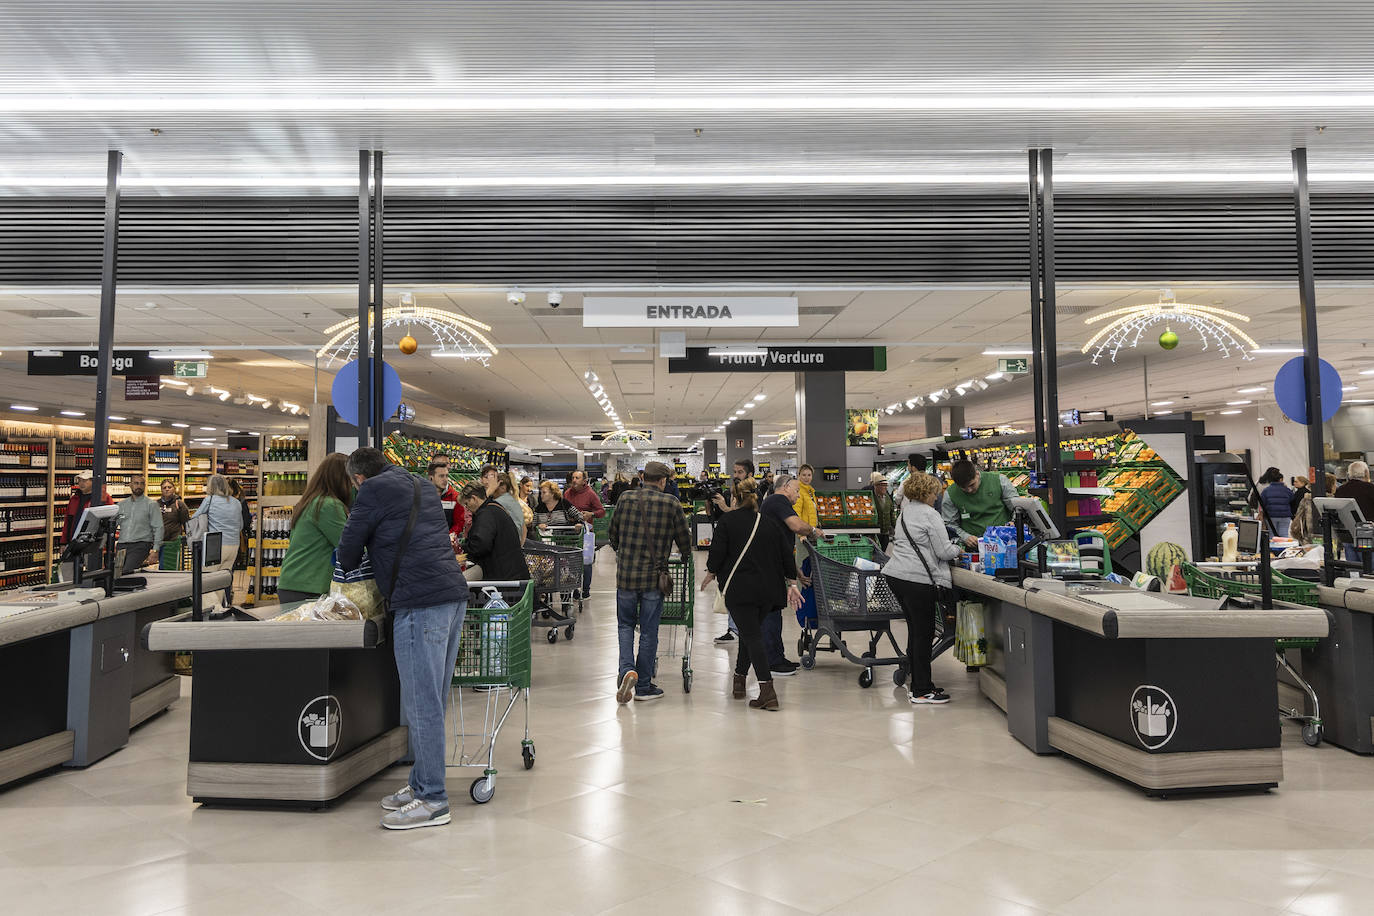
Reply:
x=1341, y=668
x=76, y=679
x=294, y=712
x=1170, y=692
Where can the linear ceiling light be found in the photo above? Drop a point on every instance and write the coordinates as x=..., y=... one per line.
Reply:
x=1007, y=351
x=184, y=355
x=1276, y=350
x=736, y=351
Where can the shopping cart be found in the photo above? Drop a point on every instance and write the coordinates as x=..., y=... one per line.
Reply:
x=601, y=527
x=1246, y=584
x=678, y=611
x=567, y=536
x=849, y=600
x=554, y=572
x=493, y=656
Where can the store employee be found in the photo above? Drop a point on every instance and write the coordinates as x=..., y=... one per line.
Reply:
x=979, y=500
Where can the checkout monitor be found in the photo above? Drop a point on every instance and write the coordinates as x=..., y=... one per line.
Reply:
x=1061, y=558
x=1248, y=530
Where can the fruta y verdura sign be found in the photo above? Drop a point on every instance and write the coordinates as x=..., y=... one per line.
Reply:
x=782, y=359
x=689, y=312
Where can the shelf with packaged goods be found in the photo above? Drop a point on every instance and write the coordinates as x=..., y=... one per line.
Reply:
x=284, y=467
x=277, y=501
x=41, y=471
x=20, y=572
x=25, y=505
x=25, y=536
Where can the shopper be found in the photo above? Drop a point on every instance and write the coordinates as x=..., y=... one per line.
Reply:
x=225, y=516
x=175, y=512
x=80, y=499
x=1306, y=525
x=646, y=524
x=1276, y=502
x=317, y=523
x=921, y=551
x=805, y=503
x=720, y=504
x=493, y=544
x=553, y=509
x=754, y=564
x=1358, y=488
x=622, y=483
x=979, y=500
x=917, y=464
x=140, y=527
x=454, y=513
x=401, y=524
x=246, y=519
x=1300, y=485
x=584, y=498
x=766, y=487
x=884, y=509
x=527, y=493
x=779, y=508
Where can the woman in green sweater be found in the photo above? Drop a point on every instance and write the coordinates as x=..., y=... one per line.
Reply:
x=315, y=528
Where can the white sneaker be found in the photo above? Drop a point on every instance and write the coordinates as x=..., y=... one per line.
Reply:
x=936, y=697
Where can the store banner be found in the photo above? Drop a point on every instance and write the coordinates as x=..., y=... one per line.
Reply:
x=85, y=362
x=142, y=388
x=781, y=359
x=689, y=312
x=862, y=426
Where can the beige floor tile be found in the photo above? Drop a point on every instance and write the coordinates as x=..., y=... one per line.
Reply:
x=922, y=894
x=1336, y=893
x=1269, y=879
x=1033, y=877
x=940, y=807
x=600, y=814
x=1125, y=894
x=589, y=879
x=899, y=843
x=695, y=842
x=701, y=895
x=802, y=875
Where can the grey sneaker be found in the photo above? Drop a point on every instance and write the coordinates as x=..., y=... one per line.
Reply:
x=417, y=813
x=626, y=691
x=400, y=799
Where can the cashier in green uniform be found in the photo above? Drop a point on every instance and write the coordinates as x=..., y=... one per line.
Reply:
x=979, y=500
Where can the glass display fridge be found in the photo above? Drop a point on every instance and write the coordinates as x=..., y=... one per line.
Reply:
x=1225, y=488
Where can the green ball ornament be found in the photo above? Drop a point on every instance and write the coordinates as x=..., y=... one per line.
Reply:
x=1168, y=340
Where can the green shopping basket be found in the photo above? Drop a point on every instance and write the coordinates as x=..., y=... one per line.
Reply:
x=846, y=548
x=679, y=611
x=601, y=527
x=494, y=650
x=1246, y=584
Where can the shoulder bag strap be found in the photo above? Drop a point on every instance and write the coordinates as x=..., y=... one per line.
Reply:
x=740, y=559
x=405, y=538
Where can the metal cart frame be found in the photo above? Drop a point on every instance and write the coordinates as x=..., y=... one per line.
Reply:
x=679, y=610
x=553, y=571
x=493, y=656
x=849, y=600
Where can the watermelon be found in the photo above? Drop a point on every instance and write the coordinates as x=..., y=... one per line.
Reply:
x=1162, y=559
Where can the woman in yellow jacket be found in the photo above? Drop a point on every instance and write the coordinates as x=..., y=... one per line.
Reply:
x=805, y=506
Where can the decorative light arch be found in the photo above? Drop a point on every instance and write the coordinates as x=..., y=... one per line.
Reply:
x=1127, y=325
x=458, y=335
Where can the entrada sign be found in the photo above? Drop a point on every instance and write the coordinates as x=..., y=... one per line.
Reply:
x=689, y=311
x=86, y=362
x=782, y=359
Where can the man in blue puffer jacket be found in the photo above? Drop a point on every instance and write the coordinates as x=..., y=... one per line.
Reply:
x=428, y=597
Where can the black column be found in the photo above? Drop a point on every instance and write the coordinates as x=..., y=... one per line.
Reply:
x=364, y=279
x=1037, y=337
x=1307, y=297
x=1049, y=332
x=109, y=263
x=378, y=363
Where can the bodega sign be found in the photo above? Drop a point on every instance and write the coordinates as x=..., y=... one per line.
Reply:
x=689, y=311
x=87, y=362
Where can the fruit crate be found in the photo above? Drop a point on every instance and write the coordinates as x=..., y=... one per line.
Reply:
x=858, y=508
x=830, y=508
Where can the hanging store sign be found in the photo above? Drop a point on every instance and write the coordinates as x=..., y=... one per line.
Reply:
x=689, y=312
x=1016, y=366
x=189, y=369
x=782, y=359
x=142, y=388
x=86, y=362
x=861, y=427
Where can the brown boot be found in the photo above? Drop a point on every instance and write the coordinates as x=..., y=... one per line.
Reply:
x=739, y=687
x=767, y=698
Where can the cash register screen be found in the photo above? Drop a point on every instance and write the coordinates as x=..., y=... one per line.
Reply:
x=1061, y=557
x=214, y=549
x=1248, y=530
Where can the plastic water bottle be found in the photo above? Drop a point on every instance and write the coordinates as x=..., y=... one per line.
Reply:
x=495, y=638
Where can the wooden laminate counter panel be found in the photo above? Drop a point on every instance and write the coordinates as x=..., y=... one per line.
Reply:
x=1351, y=594
x=1162, y=772
x=1190, y=620
x=163, y=588
x=180, y=634
x=292, y=782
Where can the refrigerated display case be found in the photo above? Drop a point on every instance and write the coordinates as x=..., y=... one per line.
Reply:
x=1224, y=489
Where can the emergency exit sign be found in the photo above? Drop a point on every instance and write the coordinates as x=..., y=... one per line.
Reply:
x=188, y=369
x=1016, y=366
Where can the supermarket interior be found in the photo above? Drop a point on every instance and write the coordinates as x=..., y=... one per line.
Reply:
x=1040, y=334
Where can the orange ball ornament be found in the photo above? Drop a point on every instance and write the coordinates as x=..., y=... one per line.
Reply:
x=408, y=345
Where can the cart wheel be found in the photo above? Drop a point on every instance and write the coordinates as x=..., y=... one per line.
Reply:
x=801, y=644
x=553, y=635
x=808, y=662
x=527, y=752
x=687, y=682
x=899, y=676
x=568, y=633
x=866, y=677
x=1312, y=733
x=483, y=788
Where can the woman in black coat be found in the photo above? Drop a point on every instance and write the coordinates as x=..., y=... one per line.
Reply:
x=764, y=582
x=493, y=542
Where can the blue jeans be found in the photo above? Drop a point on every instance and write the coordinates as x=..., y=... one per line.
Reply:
x=426, y=646
x=771, y=627
x=586, y=579
x=643, y=609
x=1282, y=526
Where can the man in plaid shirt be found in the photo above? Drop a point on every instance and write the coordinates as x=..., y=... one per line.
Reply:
x=646, y=524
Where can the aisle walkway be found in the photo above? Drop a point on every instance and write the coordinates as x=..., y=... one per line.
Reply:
x=845, y=801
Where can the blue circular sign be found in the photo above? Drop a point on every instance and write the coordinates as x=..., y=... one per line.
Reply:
x=1291, y=392
x=344, y=391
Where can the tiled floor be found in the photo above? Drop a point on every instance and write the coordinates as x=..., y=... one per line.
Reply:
x=845, y=801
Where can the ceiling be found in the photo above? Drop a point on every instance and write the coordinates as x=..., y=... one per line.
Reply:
x=614, y=98
x=264, y=345
x=641, y=98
